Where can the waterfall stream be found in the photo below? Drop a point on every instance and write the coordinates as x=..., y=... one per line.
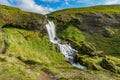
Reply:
x=65, y=49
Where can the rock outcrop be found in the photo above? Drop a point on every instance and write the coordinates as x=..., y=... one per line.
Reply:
x=14, y=17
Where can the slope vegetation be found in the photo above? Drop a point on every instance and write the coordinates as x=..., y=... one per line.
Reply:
x=27, y=54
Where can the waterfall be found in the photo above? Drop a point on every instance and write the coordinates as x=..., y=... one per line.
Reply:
x=65, y=49
x=51, y=32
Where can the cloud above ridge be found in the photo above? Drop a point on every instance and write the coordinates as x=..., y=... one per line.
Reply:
x=109, y=2
x=27, y=5
x=47, y=6
x=50, y=0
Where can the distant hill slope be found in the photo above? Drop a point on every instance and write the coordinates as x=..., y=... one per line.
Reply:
x=100, y=8
x=93, y=17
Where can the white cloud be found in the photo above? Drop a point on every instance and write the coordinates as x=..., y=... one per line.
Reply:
x=30, y=5
x=4, y=2
x=27, y=5
x=50, y=0
x=108, y=2
x=67, y=2
x=83, y=1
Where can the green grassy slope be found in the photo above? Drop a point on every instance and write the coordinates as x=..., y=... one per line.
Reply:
x=10, y=16
x=27, y=54
x=31, y=57
x=109, y=9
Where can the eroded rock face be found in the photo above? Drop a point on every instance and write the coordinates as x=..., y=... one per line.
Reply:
x=89, y=22
x=109, y=65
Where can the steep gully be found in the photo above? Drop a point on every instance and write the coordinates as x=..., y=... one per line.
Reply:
x=65, y=49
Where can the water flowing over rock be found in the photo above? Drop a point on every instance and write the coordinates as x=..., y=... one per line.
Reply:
x=65, y=49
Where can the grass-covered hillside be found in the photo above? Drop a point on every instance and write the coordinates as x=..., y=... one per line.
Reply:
x=94, y=32
x=27, y=54
x=10, y=16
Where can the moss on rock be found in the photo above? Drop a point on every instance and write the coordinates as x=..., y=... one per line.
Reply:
x=78, y=58
x=108, y=64
x=88, y=48
x=108, y=32
x=86, y=61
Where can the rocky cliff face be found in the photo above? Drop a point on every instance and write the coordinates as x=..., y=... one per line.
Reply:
x=93, y=19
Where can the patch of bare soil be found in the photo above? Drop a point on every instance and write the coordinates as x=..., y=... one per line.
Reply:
x=46, y=76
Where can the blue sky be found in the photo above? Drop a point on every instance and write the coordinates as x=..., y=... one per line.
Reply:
x=46, y=6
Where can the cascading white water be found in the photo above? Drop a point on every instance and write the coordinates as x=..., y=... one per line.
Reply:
x=65, y=49
x=51, y=32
